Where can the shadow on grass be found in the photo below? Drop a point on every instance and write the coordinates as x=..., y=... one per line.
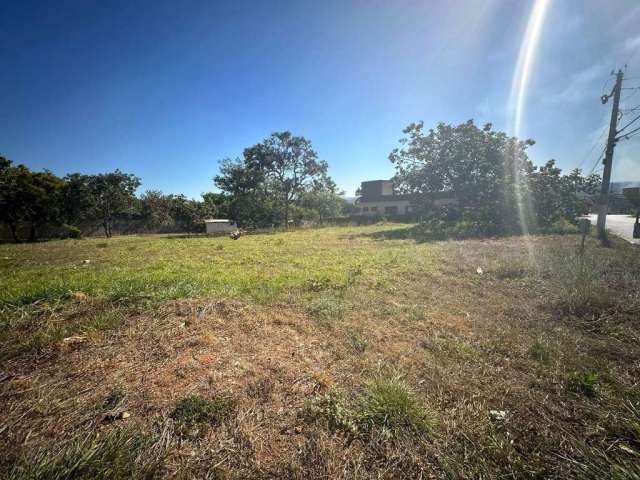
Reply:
x=419, y=235
x=423, y=235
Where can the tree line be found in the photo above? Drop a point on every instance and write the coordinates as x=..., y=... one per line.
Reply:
x=278, y=181
x=281, y=181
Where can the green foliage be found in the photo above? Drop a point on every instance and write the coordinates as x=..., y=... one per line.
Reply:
x=495, y=185
x=69, y=231
x=27, y=197
x=112, y=195
x=275, y=179
x=583, y=382
x=195, y=410
x=118, y=454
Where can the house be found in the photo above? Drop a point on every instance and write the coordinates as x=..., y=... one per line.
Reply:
x=220, y=225
x=378, y=197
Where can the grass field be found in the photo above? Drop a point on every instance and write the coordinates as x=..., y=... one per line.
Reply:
x=351, y=352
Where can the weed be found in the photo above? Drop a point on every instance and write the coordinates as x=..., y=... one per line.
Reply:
x=358, y=342
x=326, y=308
x=332, y=408
x=539, y=351
x=195, y=410
x=507, y=270
x=583, y=382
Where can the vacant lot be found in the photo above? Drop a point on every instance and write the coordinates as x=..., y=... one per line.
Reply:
x=331, y=353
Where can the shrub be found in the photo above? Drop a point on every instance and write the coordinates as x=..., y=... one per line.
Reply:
x=70, y=231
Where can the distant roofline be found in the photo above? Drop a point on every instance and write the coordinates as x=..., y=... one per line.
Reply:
x=406, y=196
x=219, y=220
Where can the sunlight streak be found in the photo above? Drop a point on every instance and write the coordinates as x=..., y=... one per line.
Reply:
x=519, y=90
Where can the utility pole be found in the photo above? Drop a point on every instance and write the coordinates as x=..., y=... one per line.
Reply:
x=608, y=159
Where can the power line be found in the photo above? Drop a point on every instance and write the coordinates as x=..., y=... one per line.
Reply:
x=630, y=123
x=630, y=134
x=593, y=147
x=597, y=161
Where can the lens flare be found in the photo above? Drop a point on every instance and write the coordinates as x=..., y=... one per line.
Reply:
x=519, y=90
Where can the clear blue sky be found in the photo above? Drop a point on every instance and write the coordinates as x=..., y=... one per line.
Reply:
x=165, y=89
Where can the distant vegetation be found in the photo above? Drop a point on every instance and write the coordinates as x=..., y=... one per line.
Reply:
x=495, y=184
x=281, y=181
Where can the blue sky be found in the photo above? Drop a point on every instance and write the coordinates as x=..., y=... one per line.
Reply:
x=167, y=89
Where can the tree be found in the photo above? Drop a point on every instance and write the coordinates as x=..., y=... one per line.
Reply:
x=263, y=186
x=324, y=199
x=484, y=170
x=186, y=213
x=555, y=196
x=289, y=165
x=15, y=195
x=156, y=209
x=76, y=199
x=215, y=205
x=27, y=197
x=113, y=195
x=249, y=203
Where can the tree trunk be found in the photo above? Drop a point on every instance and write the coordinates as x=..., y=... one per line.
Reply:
x=106, y=229
x=32, y=233
x=14, y=232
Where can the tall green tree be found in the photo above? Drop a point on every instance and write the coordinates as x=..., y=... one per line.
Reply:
x=113, y=196
x=324, y=198
x=27, y=197
x=484, y=170
x=270, y=179
x=76, y=199
x=289, y=164
x=156, y=209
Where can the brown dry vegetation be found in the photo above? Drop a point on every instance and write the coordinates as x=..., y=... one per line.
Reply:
x=550, y=342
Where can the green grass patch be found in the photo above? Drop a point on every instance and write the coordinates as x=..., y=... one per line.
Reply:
x=195, y=410
x=117, y=454
x=155, y=268
x=391, y=407
x=388, y=407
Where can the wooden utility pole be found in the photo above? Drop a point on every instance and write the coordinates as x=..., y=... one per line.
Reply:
x=608, y=159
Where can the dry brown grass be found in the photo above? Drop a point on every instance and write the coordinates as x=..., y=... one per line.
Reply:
x=465, y=343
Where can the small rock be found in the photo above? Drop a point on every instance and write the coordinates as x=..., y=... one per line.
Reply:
x=86, y=262
x=479, y=270
x=124, y=415
x=498, y=415
x=75, y=339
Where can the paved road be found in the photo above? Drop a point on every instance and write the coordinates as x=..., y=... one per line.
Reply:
x=620, y=225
